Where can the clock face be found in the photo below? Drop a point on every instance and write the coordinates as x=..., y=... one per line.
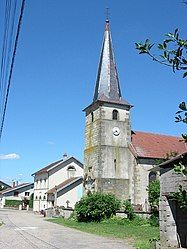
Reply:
x=116, y=131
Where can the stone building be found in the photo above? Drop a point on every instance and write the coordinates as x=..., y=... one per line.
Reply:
x=117, y=159
x=173, y=219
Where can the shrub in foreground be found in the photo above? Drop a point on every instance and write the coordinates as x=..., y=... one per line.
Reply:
x=96, y=206
x=129, y=209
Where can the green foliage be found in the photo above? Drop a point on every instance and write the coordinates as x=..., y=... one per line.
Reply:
x=182, y=117
x=137, y=232
x=173, y=54
x=171, y=154
x=129, y=209
x=31, y=203
x=180, y=169
x=180, y=196
x=173, y=51
x=96, y=206
x=12, y=203
x=153, y=193
x=154, y=218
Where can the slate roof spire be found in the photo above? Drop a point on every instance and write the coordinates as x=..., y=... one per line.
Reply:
x=107, y=84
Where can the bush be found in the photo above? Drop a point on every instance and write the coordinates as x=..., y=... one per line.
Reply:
x=154, y=218
x=12, y=203
x=96, y=206
x=30, y=203
x=154, y=193
x=129, y=209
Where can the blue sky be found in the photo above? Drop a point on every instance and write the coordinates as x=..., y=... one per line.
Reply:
x=55, y=72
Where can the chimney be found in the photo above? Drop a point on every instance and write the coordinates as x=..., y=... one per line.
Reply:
x=65, y=156
x=13, y=184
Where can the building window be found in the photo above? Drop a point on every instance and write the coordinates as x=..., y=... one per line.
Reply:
x=36, y=197
x=45, y=183
x=36, y=184
x=152, y=176
x=115, y=165
x=92, y=115
x=115, y=115
x=71, y=171
x=40, y=183
x=27, y=193
x=40, y=197
x=16, y=193
x=44, y=197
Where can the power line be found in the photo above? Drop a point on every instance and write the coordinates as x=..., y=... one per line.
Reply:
x=6, y=49
x=12, y=66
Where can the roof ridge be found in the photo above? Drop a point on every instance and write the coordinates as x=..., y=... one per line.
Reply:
x=159, y=134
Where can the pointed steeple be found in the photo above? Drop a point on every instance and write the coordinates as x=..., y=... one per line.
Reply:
x=107, y=83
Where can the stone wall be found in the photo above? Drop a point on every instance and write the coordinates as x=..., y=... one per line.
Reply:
x=168, y=229
x=119, y=187
x=173, y=219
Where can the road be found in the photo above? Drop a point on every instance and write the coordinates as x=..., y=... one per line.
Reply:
x=25, y=230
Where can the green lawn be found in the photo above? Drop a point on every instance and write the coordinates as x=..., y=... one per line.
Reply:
x=137, y=233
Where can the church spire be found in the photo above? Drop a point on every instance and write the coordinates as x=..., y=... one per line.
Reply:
x=107, y=83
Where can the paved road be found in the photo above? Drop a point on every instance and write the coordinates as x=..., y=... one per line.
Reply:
x=25, y=230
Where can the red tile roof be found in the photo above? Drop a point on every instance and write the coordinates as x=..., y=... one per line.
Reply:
x=152, y=145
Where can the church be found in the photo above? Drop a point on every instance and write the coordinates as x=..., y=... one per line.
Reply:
x=117, y=159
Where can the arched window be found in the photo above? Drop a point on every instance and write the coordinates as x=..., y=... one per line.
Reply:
x=71, y=171
x=115, y=115
x=36, y=197
x=152, y=176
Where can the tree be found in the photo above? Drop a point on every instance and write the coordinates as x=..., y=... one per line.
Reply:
x=154, y=193
x=172, y=53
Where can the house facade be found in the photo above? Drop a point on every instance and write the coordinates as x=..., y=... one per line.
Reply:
x=116, y=158
x=58, y=184
x=17, y=193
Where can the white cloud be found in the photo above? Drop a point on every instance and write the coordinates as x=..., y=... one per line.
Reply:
x=9, y=156
x=51, y=142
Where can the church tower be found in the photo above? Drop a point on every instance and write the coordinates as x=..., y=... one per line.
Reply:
x=108, y=130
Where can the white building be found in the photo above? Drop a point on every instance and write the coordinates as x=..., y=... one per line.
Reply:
x=58, y=184
x=17, y=193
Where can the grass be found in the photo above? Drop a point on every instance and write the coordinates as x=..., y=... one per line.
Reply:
x=137, y=232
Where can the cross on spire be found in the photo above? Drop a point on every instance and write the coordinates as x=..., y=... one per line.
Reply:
x=107, y=14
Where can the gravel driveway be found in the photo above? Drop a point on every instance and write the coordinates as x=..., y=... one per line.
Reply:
x=25, y=230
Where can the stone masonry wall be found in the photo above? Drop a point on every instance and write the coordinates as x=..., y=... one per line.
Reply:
x=173, y=220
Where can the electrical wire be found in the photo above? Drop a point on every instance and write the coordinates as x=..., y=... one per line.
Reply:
x=11, y=67
x=9, y=23
x=4, y=50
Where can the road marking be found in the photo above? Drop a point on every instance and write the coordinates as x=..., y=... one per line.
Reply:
x=25, y=228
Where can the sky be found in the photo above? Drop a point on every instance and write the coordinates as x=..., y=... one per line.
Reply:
x=55, y=72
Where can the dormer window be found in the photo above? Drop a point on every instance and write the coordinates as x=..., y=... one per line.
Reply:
x=115, y=115
x=71, y=171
